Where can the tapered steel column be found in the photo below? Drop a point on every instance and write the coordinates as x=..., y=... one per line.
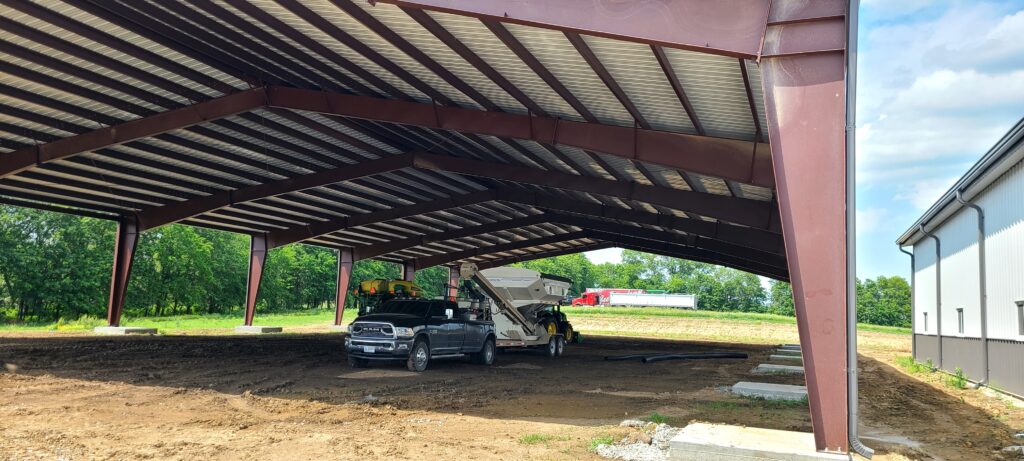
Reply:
x=453, y=282
x=257, y=257
x=408, y=271
x=805, y=104
x=125, y=242
x=344, y=275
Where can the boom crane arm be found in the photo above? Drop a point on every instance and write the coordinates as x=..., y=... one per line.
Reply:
x=470, y=271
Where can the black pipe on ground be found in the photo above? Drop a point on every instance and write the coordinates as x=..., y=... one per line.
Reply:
x=708, y=355
x=624, y=357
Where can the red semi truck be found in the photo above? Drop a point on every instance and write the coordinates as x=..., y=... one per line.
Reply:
x=600, y=296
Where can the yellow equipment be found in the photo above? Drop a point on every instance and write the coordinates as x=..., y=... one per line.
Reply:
x=370, y=293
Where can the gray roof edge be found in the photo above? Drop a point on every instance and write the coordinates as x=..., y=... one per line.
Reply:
x=982, y=171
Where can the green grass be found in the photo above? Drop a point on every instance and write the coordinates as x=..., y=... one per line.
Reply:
x=533, y=439
x=747, y=317
x=656, y=418
x=602, y=440
x=912, y=366
x=192, y=322
x=958, y=380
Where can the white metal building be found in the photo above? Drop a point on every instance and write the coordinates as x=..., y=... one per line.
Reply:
x=967, y=256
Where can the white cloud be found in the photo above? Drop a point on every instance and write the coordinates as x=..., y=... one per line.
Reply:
x=871, y=219
x=606, y=255
x=923, y=194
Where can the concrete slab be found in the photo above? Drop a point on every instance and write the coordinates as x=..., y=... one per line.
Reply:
x=124, y=331
x=718, y=442
x=770, y=391
x=338, y=328
x=786, y=358
x=771, y=368
x=790, y=347
x=256, y=330
x=788, y=352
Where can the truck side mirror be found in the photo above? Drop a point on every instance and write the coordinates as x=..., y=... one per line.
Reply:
x=449, y=313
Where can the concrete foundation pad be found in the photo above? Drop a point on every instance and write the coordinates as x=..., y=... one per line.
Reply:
x=338, y=328
x=788, y=358
x=771, y=368
x=790, y=347
x=717, y=442
x=124, y=331
x=788, y=352
x=256, y=330
x=770, y=391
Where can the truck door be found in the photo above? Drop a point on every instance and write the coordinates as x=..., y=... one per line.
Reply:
x=457, y=328
x=437, y=329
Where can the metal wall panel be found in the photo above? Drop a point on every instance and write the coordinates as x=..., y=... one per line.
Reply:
x=963, y=353
x=960, y=269
x=924, y=286
x=1004, y=240
x=1006, y=367
x=927, y=348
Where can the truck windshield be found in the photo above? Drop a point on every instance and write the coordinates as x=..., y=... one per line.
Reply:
x=417, y=308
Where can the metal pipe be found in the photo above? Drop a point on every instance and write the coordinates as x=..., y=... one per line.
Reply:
x=938, y=288
x=913, y=303
x=983, y=306
x=853, y=412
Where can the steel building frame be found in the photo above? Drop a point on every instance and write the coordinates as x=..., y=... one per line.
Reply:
x=433, y=132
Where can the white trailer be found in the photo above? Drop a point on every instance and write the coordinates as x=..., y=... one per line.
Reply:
x=519, y=303
x=681, y=301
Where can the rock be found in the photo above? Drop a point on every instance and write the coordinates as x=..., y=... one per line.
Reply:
x=632, y=423
x=1019, y=435
x=1014, y=450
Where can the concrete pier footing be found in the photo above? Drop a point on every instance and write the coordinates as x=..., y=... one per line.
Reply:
x=786, y=358
x=256, y=330
x=770, y=391
x=718, y=442
x=111, y=331
x=771, y=368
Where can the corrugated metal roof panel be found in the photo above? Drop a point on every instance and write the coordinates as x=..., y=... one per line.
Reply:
x=754, y=77
x=712, y=184
x=715, y=88
x=635, y=68
x=555, y=52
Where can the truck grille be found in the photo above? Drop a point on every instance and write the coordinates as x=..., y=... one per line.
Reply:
x=373, y=330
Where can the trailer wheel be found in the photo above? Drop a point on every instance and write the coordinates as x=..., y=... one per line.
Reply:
x=552, y=348
x=486, y=354
x=356, y=362
x=419, y=357
x=559, y=346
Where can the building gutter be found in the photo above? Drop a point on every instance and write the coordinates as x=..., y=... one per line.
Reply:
x=983, y=301
x=913, y=303
x=851, y=233
x=938, y=288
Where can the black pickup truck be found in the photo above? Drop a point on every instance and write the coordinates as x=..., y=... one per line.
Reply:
x=418, y=331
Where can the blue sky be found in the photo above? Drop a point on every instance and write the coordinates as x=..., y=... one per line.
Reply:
x=939, y=82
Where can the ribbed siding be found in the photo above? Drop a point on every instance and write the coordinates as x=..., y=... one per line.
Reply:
x=1006, y=367
x=960, y=274
x=1004, y=226
x=924, y=289
x=963, y=353
x=927, y=348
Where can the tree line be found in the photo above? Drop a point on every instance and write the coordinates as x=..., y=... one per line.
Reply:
x=56, y=266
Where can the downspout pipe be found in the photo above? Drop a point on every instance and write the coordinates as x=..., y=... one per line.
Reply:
x=913, y=304
x=938, y=288
x=852, y=404
x=983, y=301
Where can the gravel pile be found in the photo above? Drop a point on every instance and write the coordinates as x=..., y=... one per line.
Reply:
x=652, y=446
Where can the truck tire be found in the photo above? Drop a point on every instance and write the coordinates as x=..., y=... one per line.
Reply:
x=419, y=356
x=356, y=362
x=560, y=346
x=486, y=354
x=551, y=350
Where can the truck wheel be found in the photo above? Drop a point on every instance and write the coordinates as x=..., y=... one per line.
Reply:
x=552, y=348
x=560, y=346
x=419, y=357
x=486, y=354
x=356, y=362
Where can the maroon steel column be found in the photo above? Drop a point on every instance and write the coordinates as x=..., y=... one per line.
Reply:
x=125, y=241
x=805, y=103
x=257, y=256
x=344, y=275
x=408, y=271
x=453, y=282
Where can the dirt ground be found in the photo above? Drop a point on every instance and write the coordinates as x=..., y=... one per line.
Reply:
x=293, y=397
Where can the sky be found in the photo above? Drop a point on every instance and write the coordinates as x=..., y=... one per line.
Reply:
x=938, y=83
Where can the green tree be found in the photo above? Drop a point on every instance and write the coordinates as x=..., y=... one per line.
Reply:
x=780, y=298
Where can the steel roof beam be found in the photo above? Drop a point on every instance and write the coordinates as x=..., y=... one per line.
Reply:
x=542, y=254
x=743, y=161
x=677, y=87
x=371, y=251
x=748, y=212
x=730, y=27
x=606, y=77
x=442, y=259
x=708, y=255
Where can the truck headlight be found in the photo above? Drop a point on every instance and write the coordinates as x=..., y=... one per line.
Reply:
x=404, y=332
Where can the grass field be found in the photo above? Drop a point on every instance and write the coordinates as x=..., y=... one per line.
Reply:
x=595, y=320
